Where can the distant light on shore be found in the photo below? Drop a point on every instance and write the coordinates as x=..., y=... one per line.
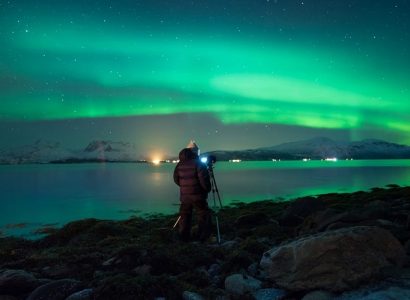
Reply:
x=156, y=161
x=331, y=159
x=235, y=160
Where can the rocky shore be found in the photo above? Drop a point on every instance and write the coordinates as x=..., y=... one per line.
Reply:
x=332, y=246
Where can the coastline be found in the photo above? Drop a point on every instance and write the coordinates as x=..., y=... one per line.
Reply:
x=143, y=258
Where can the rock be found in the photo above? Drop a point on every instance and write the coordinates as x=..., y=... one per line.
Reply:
x=216, y=280
x=300, y=209
x=7, y=297
x=111, y=261
x=392, y=293
x=143, y=270
x=81, y=295
x=214, y=270
x=407, y=247
x=253, y=269
x=56, y=290
x=222, y=297
x=268, y=294
x=376, y=209
x=331, y=219
x=191, y=296
x=238, y=284
x=98, y=274
x=229, y=244
x=252, y=219
x=342, y=224
x=59, y=271
x=16, y=282
x=319, y=295
x=386, y=224
x=320, y=220
x=335, y=261
x=202, y=271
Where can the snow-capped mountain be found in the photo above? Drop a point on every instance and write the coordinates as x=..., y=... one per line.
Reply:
x=109, y=151
x=321, y=148
x=373, y=148
x=53, y=152
x=317, y=147
x=40, y=152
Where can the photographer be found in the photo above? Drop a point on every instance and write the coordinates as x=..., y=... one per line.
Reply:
x=192, y=177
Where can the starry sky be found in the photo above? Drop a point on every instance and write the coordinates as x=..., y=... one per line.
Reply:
x=230, y=74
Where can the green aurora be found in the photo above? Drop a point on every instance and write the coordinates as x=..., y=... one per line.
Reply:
x=94, y=68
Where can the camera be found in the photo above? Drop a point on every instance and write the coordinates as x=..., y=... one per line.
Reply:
x=209, y=160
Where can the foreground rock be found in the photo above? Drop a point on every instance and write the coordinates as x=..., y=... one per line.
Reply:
x=56, y=290
x=334, y=261
x=15, y=282
x=142, y=258
x=238, y=284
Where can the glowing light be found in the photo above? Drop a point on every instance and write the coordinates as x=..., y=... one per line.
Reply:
x=330, y=159
x=156, y=161
x=204, y=159
x=235, y=160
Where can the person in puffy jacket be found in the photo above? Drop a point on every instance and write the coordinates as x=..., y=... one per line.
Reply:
x=194, y=183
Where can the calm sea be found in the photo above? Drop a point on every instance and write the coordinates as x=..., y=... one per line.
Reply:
x=35, y=195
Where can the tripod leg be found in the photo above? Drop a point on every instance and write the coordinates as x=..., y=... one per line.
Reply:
x=176, y=223
x=217, y=229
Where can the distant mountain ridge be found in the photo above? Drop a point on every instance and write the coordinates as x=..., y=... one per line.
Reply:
x=321, y=148
x=53, y=152
x=110, y=151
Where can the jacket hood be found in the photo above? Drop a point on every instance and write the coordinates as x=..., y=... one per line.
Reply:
x=187, y=154
x=194, y=147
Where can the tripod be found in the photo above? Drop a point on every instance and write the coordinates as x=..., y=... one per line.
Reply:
x=215, y=191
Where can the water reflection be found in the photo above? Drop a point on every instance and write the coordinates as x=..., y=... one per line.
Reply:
x=38, y=194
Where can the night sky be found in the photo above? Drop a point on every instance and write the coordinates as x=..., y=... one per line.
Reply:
x=230, y=74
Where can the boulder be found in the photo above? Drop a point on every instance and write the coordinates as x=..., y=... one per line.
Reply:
x=300, y=209
x=229, y=244
x=214, y=270
x=59, y=271
x=320, y=220
x=376, y=209
x=191, y=296
x=143, y=270
x=252, y=219
x=15, y=282
x=335, y=261
x=253, y=269
x=407, y=247
x=56, y=290
x=319, y=295
x=386, y=224
x=238, y=284
x=268, y=294
x=393, y=292
x=8, y=297
x=331, y=219
x=81, y=295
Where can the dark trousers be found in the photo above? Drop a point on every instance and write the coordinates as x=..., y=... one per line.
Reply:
x=203, y=214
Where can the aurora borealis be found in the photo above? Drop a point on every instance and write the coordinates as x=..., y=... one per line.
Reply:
x=231, y=74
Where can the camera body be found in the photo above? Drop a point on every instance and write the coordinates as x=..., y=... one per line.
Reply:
x=209, y=160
